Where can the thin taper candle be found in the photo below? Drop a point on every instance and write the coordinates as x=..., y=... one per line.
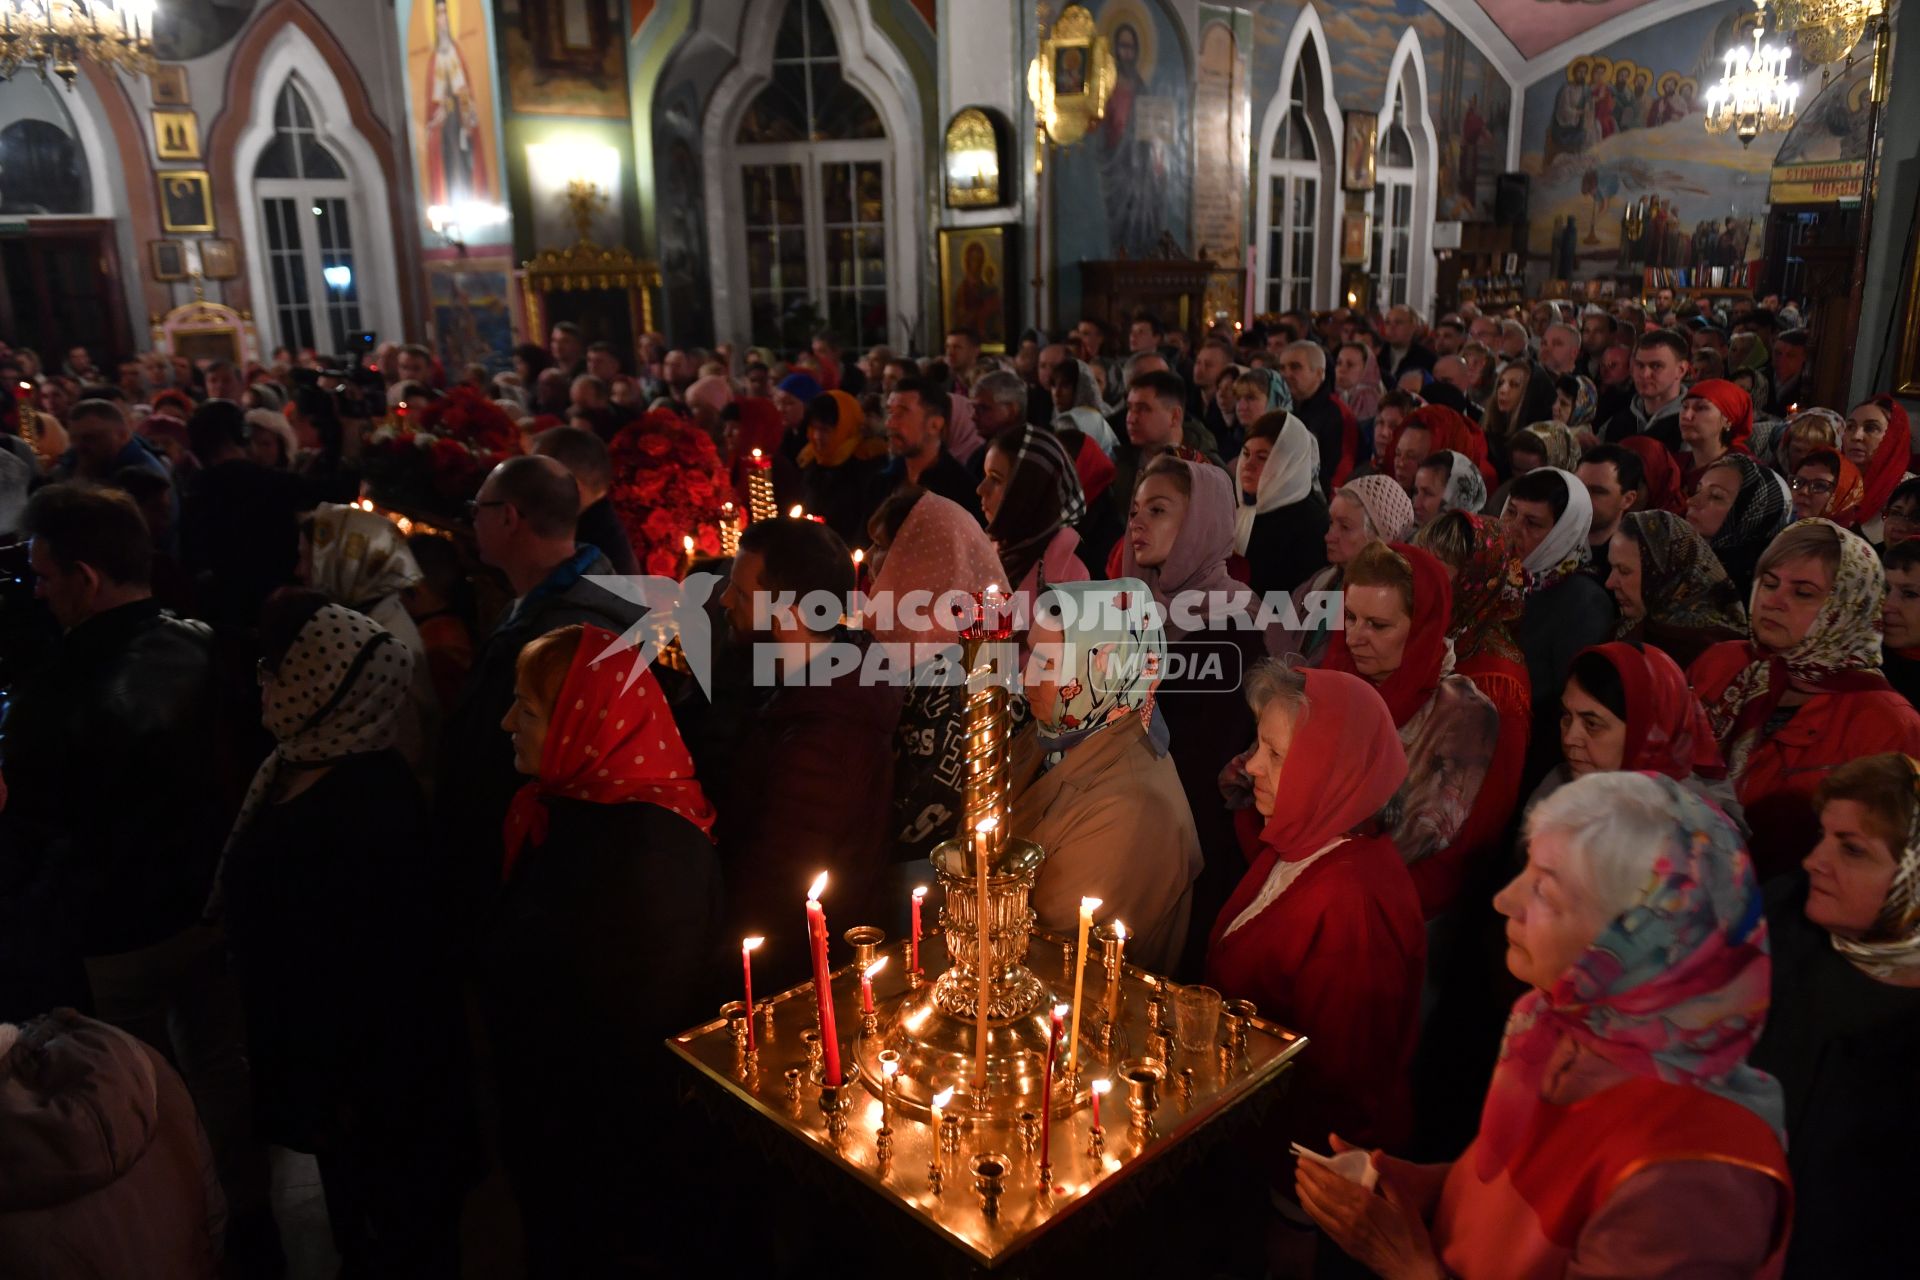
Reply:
x=913, y=948
x=983, y=962
x=1087, y=907
x=866, y=983
x=1113, y=987
x=823, y=981
x=747, y=948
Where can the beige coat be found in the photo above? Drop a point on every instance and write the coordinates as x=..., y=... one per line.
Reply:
x=1115, y=824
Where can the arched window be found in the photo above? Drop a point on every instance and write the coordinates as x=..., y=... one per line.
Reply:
x=306, y=201
x=1295, y=174
x=811, y=158
x=1393, y=206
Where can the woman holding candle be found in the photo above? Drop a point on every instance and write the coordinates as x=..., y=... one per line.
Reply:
x=1324, y=932
x=1092, y=783
x=1624, y=1133
x=605, y=934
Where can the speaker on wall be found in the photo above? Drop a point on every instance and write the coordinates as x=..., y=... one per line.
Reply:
x=1510, y=198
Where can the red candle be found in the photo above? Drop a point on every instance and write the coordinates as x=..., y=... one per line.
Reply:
x=823, y=980
x=866, y=983
x=1098, y=1091
x=747, y=948
x=913, y=951
x=1046, y=1086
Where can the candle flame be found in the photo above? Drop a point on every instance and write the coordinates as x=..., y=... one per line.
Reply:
x=756, y=453
x=920, y=892
x=1102, y=1086
x=728, y=506
x=859, y=556
x=943, y=1097
x=1061, y=1010
x=1119, y=931
x=873, y=969
x=988, y=824
x=796, y=512
x=889, y=1068
x=818, y=887
x=1089, y=904
x=751, y=944
x=686, y=543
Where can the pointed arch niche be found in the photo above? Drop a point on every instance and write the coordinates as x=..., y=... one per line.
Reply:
x=1298, y=190
x=814, y=179
x=1406, y=166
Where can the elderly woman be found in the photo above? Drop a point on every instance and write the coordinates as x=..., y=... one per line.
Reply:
x=1324, y=932
x=604, y=934
x=1624, y=1132
x=1367, y=509
x=1398, y=606
x=1805, y=694
x=1900, y=620
x=1844, y=1030
x=1547, y=518
x=1877, y=440
x=330, y=899
x=1629, y=707
x=1092, y=783
x=361, y=560
x=1030, y=494
x=1447, y=481
x=926, y=545
x=1670, y=590
x=1738, y=507
x=1716, y=418
x=1280, y=525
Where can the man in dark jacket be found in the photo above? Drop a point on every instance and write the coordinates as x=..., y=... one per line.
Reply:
x=104, y=889
x=917, y=439
x=1660, y=371
x=1303, y=366
x=1404, y=352
x=584, y=454
x=239, y=523
x=794, y=807
x=524, y=521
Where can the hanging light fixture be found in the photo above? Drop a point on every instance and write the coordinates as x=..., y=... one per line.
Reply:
x=1754, y=95
x=57, y=35
x=1827, y=31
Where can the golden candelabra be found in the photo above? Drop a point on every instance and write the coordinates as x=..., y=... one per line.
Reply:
x=760, y=499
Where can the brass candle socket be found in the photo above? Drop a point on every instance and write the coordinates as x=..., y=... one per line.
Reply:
x=1186, y=1087
x=883, y=1145
x=933, y=1175
x=1144, y=1077
x=990, y=1180
x=870, y=1024
x=737, y=1022
x=766, y=1019
x=1029, y=1125
x=1096, y=1145
x=834, y=1105
x=1243, y=1012
x=865, y=939
x=810, y=1039
x=950, y=1135
x=792, y=1075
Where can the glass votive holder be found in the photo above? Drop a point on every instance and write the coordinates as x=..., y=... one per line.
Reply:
x=1196, y=1017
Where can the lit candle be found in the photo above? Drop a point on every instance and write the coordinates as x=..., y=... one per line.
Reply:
x=822, y=979
x=888, y=1069
x=1113, y=985
x=913, y=947
x=1087, y=907
x=866, y=983
x=940, y=1100
x=1099, y=1091
x=747, y=947
x=1046, y=1085
x=983, y=959
x=796, y=512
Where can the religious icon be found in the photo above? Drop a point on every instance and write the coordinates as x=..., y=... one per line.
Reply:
x=186, y=201
x=1357, y=170
x=219, y=259
x=169, y=258
x=973, y=283
x=176, y=135
x=1069, y=71
x=454, y=168
x=169, y=83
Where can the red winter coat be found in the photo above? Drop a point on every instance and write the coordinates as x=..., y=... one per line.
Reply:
x=1776, y=786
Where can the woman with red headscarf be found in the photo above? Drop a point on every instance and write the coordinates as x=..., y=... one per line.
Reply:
x=1323, y=933
x=1398, y=606
x=1662, y=485
x=750, y=423
x=1716, y=419
x=1878, y=440
x=1628, y=706
x=1452, y=431
x=603, y=936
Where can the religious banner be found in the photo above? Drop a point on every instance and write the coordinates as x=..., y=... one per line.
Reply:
x=450, y=86
x=1818, y=183
x=472, y=314
x=564, y=57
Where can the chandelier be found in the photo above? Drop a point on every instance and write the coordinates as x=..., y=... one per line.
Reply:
x=1754, y=95
x=55, y=35
x=1826, y=31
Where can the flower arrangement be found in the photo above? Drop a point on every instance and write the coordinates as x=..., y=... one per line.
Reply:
x=433, y=456
x=668, y=484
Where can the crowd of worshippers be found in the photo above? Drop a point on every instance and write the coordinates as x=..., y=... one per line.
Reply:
x=1580, y=834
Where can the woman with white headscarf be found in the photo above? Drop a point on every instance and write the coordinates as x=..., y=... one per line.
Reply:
x=1547, y=519
x=1076, y=403
x=1280, y=525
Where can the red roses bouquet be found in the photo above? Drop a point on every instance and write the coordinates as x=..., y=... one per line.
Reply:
x=668, y=484
x=435, y=453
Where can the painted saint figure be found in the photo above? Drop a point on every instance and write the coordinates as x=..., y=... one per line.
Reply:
x=456, y=164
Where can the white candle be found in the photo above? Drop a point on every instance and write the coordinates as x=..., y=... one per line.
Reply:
x=1087, y=908
x=983, y=960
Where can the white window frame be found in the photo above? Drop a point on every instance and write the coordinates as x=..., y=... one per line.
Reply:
x=1305, y=62
x=1280, y=190
x=1390, y=181
x=812, y=158
x=306, y=194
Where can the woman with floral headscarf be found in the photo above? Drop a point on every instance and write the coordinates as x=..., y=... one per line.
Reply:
x=604, y=934
x=1624, y=1132
x=1877, y=439
x=1844, y=1030
x=1810, y=429
x=1398, y=606
x=1092, y=783
x=332, y=905
x=361, y=560
x=1447, y=481
x=1489, y=598
x=1670, y=590
x=932, y=560
x=1805, y=694
x=840, y=469
x=1575, y=401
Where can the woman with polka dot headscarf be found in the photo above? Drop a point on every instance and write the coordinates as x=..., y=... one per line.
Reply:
x=330, y=902
x=599, y=946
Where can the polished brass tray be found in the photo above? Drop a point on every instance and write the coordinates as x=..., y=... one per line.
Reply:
x=1196, y=1090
